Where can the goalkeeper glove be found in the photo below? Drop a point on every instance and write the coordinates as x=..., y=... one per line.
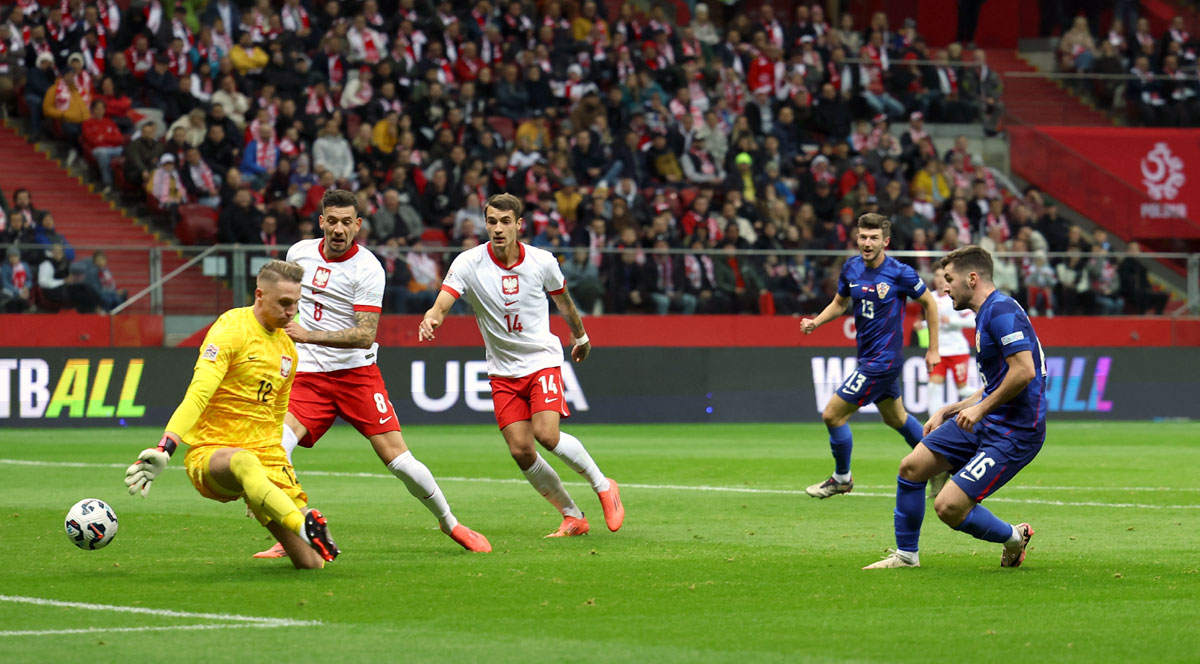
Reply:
x=150, y=463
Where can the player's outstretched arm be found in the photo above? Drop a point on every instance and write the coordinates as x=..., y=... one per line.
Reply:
x=362, y=335
x=835, y=309
x=932, y=319
x=151, y=462
x=566, y=305
x=435, y=316
x=1020, y=373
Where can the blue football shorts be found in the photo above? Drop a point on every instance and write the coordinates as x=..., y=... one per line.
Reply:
x=982, y=461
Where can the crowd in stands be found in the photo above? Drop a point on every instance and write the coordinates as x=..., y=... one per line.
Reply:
x=40, y=272
x=621, y=132
x=1159, y=87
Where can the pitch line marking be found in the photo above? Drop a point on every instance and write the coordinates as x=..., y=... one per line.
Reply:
x=233, y=620
x=721, y=489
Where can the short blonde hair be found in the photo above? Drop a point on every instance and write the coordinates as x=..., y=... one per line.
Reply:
x=276, y=270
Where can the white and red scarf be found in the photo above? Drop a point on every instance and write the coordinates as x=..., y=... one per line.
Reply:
x=140, y=62
x=267, y=153
x=295, y=18
x=20, y=276
x=318, y=105
x=93, y=59
x=364, y=42
x=178, y=63
x=167, y=186
x=154, y=15
x=698, y=269
x=203, y=176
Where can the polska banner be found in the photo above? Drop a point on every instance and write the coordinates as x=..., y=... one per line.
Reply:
x=1142, y=183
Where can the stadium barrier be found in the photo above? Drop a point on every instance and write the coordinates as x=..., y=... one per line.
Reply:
x=54, y=387
x=215, y=278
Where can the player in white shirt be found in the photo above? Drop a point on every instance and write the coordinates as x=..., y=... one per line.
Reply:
x=342, y=296
x=956, y=358
x=506, y=283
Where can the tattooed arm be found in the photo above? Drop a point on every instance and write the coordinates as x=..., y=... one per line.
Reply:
x=362, y=335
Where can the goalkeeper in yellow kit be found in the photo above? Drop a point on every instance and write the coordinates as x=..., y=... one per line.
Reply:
x=232, y=419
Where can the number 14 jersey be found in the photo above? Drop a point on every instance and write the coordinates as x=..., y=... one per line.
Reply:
x=511, y=307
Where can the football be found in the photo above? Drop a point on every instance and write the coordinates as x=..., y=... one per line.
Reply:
x=91, y=524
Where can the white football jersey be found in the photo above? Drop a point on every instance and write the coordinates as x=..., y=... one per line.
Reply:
x=511, y=307
x=331, y=292
x=951, y=340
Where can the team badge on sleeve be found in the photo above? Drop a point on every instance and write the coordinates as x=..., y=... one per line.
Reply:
x=285, y=366
x=210, y=352
x=511, y=284
x=882, y=288
x=321, y=278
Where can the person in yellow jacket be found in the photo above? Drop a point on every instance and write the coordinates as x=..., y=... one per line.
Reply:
x=246, y=57
x=930, y=183
x=64, y=102
x=232, y=420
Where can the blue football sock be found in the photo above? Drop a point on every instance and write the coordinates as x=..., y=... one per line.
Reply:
x=982, y=524
x=841, y=443
x=910, y=512
x=912, y=431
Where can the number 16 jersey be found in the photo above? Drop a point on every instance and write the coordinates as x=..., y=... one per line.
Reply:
x=511, y=307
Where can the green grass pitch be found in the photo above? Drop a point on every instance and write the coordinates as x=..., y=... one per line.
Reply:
x=722, y=557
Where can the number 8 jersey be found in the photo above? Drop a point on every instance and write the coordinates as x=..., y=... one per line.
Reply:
x=878, y=297
x=331, y=293
x=511, y=307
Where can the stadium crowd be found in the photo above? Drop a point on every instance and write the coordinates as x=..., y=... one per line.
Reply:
x=1154, y=76
x=619, y=132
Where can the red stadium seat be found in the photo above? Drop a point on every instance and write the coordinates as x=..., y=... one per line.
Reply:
x=197, y=225
x=503, y=125
x=435, y=237
x=686, y=196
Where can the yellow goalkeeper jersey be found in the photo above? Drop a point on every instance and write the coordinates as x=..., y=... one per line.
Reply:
x=240, y=386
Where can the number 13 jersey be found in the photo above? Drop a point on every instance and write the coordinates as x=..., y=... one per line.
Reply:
x=331, y=293
x=511, y=307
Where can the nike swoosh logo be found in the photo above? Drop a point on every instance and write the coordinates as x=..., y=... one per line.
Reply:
x=509, y=304
x=854, y=285
x=552, y=400
x=384, y=420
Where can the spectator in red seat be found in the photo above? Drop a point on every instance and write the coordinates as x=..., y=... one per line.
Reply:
x=233, y=103
x=332, y=152
x=200, y=181
x=46, y=234
x=104, y=140
x=1077, y=49
x=312, y=202
x=16, y=283
x=166, y=186
x=23, y=207
x=101, y=281
x=1135, y=284
x=117, y=106
x=261, y=157
x=139, y=57
x=52, y=276
x=1040, y=282
x=64, y=102
x=1105, y=282
x=241, y=221
x=141, y=155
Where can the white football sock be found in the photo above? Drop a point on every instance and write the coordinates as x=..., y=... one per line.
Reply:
x=908, y=556
x=420, y=483
x=572, y=452
x=546, y=482
x=840, y=478
x=936, y=395
x=1015, y=539
x=290, y=441
x=964, y=392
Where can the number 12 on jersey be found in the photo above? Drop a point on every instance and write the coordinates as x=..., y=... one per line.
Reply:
x=513, y=322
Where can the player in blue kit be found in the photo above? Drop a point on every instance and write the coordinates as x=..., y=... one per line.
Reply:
x=877, y=287
x=983, y=441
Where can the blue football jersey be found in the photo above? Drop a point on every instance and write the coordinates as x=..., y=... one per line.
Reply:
x=878, y=296
x=1002, y=328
